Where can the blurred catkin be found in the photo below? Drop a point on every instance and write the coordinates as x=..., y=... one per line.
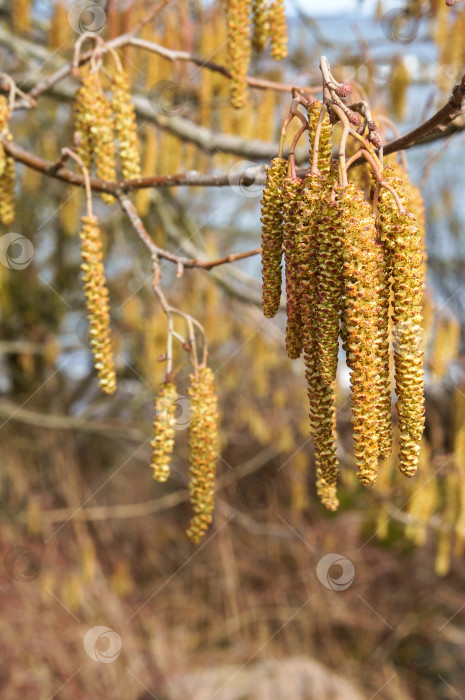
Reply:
x=7, y=169
x=21, y=15
x=60, y=29
x=278, y=29
x=164, y=431
x=125, y=126
x=203, y=448
x=260, y=25
x=239, y=47
x=272, y=236
x=97, y=302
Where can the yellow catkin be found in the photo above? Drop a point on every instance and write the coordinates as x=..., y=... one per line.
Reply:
x=326, y=493
x=321, y=393
x=21, y=16
x=164, y=431
x=292, y=191
x=423, y=501
x=398, y=84
x=239, y=47
x=7, y=192
x=403, y=243
x=278, y=29
x=95, y=129
x=265, y=126
x=325, y=143
x=7, y=169
x=361, y=280
x=383, y=380
x=59, y=31
x=97, y=303
x=125, y=126
x=272, y=236
x=260, y=25
x=203, y=447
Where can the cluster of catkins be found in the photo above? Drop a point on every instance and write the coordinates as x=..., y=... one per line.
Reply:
x=203, y=443
x=99, y=122
x=269, y=22
x=7, y=168
x=349, y=275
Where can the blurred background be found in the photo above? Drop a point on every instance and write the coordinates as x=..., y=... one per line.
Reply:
x=102, y=595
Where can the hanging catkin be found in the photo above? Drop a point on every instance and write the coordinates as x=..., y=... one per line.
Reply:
x=292, y=190
x=361, y=283
x=324, y=144
x=260, y=25
x=272, y=236
x=403, y=243
x=94, y=128
x=126, y=126
x=164, y=431
x=278, y=30
x=97, y=302
x=7, y=169
x=203, y=447
x=320, y=393
x=383, y=380
x=239, y=46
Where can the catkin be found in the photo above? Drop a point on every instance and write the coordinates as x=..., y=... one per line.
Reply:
x=272, y=236
x=361, y=302
x=292, y=190
x=330, y=286
x=260, y=25
x=320, y=393
x=97, y=302
x=278, y=29
x=203, y=447
x=324, y=143
x=239, y=46
x=164, y=431
x=7, y=169
x=94, y=128
x=125, y=126
x=403, y=242
x=21, y=15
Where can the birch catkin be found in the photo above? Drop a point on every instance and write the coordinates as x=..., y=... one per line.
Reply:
x=291, y=211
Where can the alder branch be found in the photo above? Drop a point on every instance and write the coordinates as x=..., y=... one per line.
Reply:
x=435, y=126
x=180, y=261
